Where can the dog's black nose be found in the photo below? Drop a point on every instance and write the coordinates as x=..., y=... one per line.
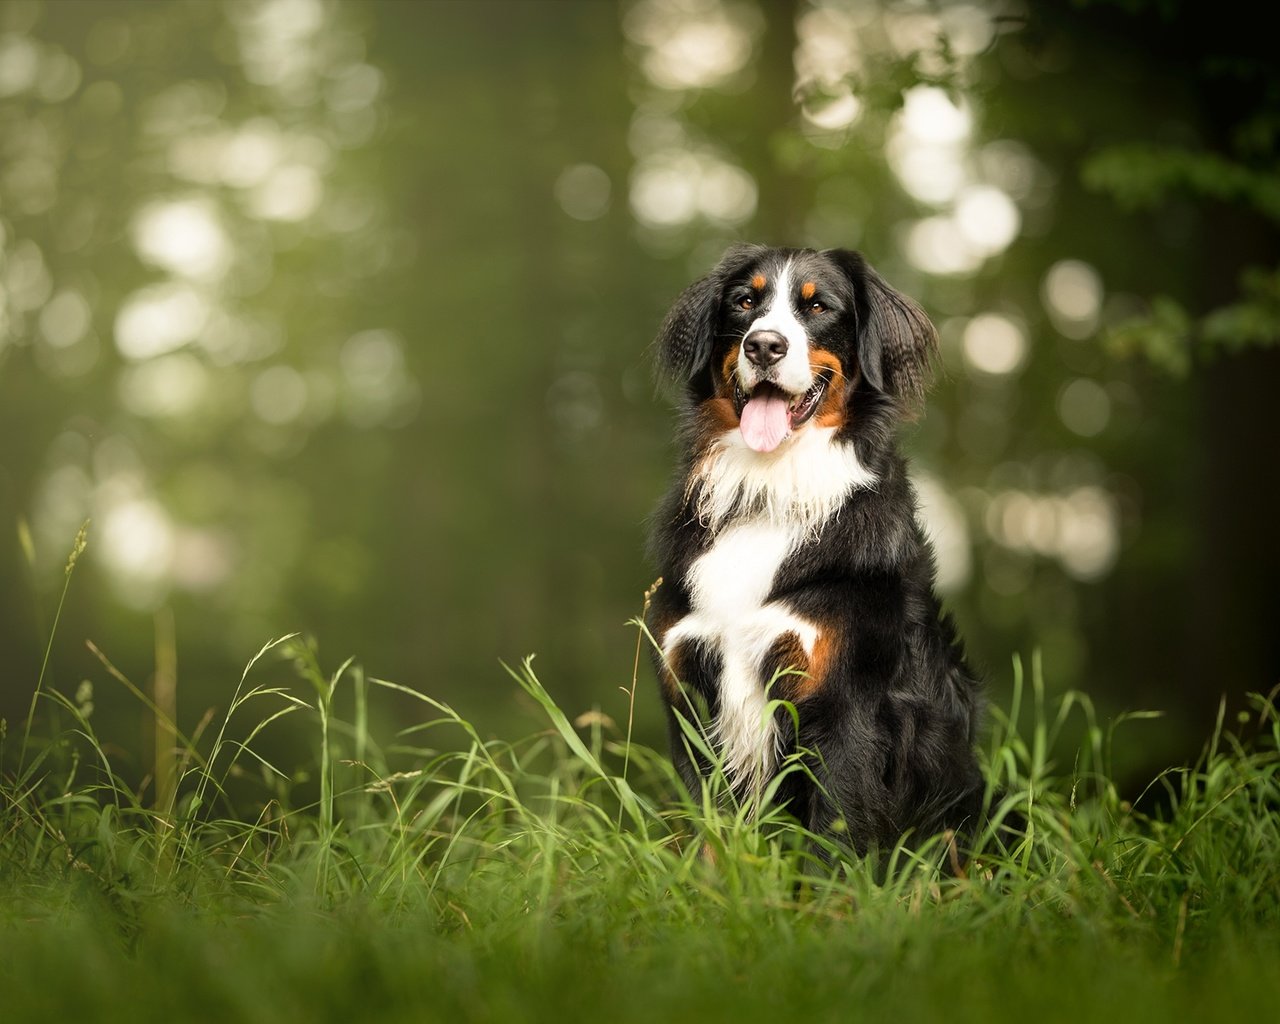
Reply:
x=764, y=348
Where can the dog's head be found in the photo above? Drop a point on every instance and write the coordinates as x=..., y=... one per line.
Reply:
x=780, y=338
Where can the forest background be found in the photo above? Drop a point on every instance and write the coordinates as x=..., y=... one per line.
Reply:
x=334, y=318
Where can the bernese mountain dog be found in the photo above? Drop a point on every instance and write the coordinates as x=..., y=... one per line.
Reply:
x=798, y=626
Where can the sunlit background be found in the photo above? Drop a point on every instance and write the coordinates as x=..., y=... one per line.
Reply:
x=333, y=317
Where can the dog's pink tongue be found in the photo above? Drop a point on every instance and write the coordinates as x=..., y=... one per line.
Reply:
x=764, y=422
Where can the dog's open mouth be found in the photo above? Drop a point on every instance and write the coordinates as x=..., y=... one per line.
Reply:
x=768, y=414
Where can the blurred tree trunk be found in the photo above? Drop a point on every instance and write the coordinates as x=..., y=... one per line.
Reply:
x=1233, y=638
x=771, y=113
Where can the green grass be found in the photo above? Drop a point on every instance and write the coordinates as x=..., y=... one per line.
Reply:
x=445, y=876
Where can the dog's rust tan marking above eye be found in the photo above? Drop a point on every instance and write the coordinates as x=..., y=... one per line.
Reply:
x=808, y=290
x=759, y=281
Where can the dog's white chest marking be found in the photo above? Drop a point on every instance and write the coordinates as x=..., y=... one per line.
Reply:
x=802, y=485
x=729, y=586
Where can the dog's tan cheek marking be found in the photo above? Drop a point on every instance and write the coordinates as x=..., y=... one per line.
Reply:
x=727, y=369
x=836, y=410
x=831, y=413
x=715, y=418
x=821, y=359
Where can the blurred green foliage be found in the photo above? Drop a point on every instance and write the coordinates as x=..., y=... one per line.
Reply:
x=334, y=317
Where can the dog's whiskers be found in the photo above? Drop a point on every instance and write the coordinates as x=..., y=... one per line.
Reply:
x=816, y=368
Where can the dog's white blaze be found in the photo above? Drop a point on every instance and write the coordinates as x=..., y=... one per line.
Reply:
x=728, y=588
x=793, y=372
x=801, y=484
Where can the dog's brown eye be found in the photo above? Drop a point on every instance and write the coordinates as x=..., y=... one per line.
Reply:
x=746, y=302
x=817, y=307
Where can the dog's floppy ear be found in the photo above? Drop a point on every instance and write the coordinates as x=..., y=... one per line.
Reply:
x=896, y=340
x=687, y=334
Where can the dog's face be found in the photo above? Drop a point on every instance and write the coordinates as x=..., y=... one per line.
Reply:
x=785, y=350
x=775, y=340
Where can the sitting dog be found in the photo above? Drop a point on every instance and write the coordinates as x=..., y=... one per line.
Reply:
x=795, y=566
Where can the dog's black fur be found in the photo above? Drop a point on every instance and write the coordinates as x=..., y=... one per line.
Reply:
x=888, y=712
